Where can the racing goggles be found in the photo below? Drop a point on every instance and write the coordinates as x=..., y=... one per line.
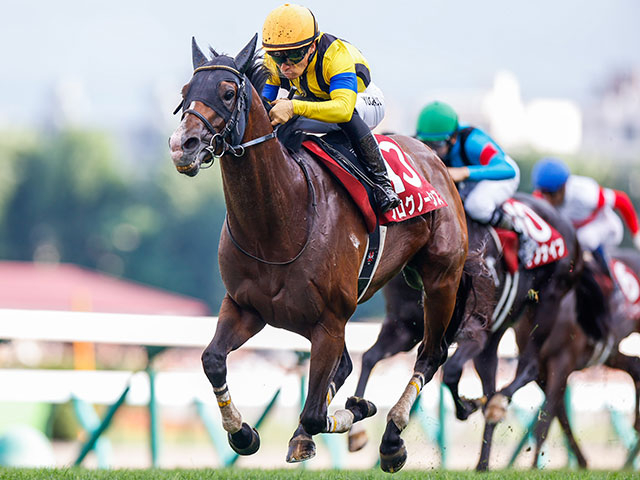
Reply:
x=295, y=56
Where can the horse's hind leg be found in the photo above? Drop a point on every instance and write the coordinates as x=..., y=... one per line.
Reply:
x=452, y=371
x=631, y=365
x=399, y=333
x=301, y=446
x=439, y=305
x=235, y=327
x=563, y=418
x=486, y=364
x=325, y=377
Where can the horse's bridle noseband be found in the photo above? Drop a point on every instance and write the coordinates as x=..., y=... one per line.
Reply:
x=220, y=140
x=221, y=143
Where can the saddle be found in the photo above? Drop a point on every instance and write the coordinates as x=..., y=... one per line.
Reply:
x=551, y=245
x=603, y=298
x=417, y=195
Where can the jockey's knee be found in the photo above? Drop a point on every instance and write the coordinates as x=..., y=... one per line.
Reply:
x=481, y=212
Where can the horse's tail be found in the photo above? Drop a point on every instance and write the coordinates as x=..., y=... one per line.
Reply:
x=475, y=295
x=591, y=304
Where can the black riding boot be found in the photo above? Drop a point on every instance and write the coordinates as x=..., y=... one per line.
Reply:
x=602, y=259
x=528, y=245
x=370, y=154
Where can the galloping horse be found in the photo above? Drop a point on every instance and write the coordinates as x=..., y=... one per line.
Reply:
x=291, y=248
x=569, y=348
x=535, y=293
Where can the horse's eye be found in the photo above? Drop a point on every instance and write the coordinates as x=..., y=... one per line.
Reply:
x=228, y=95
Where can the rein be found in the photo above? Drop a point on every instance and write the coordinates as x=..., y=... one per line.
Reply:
x=218, y=140
x=310, y=222
x=220, y=144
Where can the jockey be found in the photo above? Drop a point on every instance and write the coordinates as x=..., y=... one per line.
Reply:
x=589, y=207
x=485, y=176
x=333, y=85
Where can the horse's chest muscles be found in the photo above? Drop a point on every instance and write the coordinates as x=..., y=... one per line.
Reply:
x=279, y=303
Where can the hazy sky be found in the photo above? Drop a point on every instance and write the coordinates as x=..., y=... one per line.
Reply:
x=121, y=51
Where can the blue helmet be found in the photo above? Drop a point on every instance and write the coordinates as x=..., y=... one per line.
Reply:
x=550, y=174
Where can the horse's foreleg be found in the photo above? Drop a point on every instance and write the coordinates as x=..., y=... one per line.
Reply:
x=395, y=336
x=557, y=370
x=526, y=371
x=485, y=449
x=438, y=308
x=235, y=327
x=486, y=363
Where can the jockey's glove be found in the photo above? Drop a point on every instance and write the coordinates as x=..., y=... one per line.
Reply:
x=281, y=112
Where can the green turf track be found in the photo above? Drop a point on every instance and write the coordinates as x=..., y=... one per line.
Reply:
x=241, y=474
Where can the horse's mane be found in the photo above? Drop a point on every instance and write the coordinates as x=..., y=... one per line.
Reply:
x=258, y=73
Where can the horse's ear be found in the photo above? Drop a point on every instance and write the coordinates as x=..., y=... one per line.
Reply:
x=243, y=59
x=198, y=57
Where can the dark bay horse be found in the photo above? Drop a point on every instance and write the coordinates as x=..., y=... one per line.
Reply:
x=535, y=293
x=291, y=248
x=608, y=319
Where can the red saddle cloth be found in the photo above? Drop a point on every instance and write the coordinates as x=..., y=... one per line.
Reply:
x=510, y=245
x=551, y=245
x=417, y=195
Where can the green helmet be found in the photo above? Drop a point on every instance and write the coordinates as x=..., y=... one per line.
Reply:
x=437, y=121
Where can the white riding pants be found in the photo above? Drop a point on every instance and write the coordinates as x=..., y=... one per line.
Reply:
x=487, y=195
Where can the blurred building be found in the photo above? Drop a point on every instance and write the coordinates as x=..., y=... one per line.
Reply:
x=545, y=124
x=612, y=121
x=60, y=286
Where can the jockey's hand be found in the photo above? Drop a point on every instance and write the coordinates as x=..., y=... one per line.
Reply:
x=636, y=240
x=458, y=174
x=281, y=112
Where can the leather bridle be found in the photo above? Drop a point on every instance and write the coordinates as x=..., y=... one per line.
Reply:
x=221, y=143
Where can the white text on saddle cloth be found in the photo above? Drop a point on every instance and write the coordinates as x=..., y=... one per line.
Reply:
x=551, y=246
x=627, y=279
x=417, y=195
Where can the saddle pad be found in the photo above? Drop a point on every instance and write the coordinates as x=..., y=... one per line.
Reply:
x=627, y=280
x=509, y=242
x=551, y=245
x=418, y=196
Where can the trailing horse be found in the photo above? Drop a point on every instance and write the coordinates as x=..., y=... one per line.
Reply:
x=534, y=292
x=292, y=246
x=587, y=332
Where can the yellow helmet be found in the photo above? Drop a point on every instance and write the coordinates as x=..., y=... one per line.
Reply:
x=287, y=27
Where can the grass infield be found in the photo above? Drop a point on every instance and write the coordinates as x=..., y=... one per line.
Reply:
x=242, y=474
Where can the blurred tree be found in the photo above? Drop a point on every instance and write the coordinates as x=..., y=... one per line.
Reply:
x=67, y=194
x=70, y=197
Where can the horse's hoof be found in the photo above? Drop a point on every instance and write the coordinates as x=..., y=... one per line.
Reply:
x=357, y=440
x=301, y=448
x=467, y=406
x=245, y=441
x=496, y=409
x=360, y=408
x=393, y=462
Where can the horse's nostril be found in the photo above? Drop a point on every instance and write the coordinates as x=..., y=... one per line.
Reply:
x=191, y=143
